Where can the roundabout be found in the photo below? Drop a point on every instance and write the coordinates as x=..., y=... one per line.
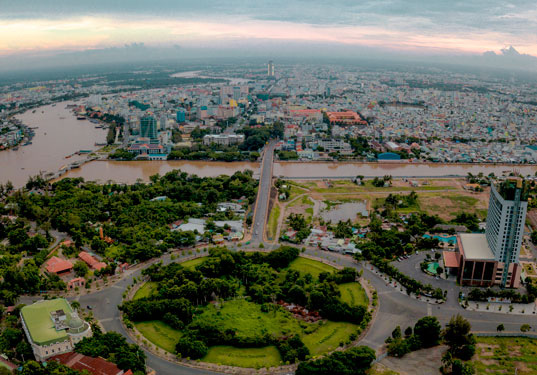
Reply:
x=259, y=324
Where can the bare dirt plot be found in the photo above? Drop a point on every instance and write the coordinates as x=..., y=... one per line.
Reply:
x=448, y=205
x=532, y=217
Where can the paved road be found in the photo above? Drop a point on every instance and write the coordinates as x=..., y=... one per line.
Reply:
x=263, y=194
x=395, y=308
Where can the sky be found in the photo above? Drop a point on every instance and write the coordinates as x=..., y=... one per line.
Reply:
x=411, y=26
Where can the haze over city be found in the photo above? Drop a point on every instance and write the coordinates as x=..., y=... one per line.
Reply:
x=44, y=33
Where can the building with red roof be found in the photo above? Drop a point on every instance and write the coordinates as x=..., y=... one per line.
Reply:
x=58, y=266
x=91, y=261
x=95, y=366
x=345, y=118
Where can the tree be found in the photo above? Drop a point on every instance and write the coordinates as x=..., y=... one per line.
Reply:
x=500, y=328
x=408, y=331
x=354, y=361
x=458, y=337
x=396, y=333
x=81, y=268
x=191, y=348
x=534, y=237
x=525, y=328
x=427, y=330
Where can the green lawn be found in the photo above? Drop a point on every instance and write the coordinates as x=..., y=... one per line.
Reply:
x=146, y=290
x=328, y=336
x=193, y=263
x=303, y=201
x=248, y=319
x=502, y=355
x=160, y=334
x=244, y=357
x=273, y=221
x=353, y=294
x=305, y=265
x=295, y=191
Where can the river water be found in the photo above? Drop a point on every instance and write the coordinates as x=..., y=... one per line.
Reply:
x=59, y=134
x=129, y=172
x=66, y=135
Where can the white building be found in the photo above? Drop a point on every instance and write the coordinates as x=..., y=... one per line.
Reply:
x=52, y=327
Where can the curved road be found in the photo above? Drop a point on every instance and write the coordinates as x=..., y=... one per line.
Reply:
x=395, y=308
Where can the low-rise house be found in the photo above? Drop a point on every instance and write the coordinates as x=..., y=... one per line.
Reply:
x=52, y=327
x=58, y=266
x=91, y=261
x=77, y=282
x=95, y=366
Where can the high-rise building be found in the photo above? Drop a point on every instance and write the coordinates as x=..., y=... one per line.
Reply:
x=148, y=127
x=270, y=70
x=236, y=93
x=508, y=204
x=181, y=115
x=492, y=258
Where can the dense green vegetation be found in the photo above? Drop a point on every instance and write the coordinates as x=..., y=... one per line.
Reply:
x=48, y=368
x=230, y=299
x=136, y=225
x=113, y=347
x=353, y=361
x=199, y=151
x=426, y=333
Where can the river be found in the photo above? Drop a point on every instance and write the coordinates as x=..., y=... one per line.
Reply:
x=59, y=134
x=130, y=171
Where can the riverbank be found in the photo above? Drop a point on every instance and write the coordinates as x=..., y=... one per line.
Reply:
x=132, y=171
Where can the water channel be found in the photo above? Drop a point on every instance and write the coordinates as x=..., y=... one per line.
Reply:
x=58, y=135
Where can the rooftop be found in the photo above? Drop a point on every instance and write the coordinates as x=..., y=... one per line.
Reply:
x=57, y=265
x=37, y=318
x=474, y=246
x=451, y=259
x=96, y=366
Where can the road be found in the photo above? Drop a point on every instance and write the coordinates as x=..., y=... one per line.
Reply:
x=263, y=194
x=395, y=308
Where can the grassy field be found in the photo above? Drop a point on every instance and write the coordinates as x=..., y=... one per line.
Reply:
x=244, y=357
x=146, y=290
x=303, y=201
x=304, y=265
x=346, y=186
x=273, y=221
x=193, y=263
x=353, y=294
x=328, y=336
x=160, y=334
x=447, y=206
x=248, y=320
x=502, y=355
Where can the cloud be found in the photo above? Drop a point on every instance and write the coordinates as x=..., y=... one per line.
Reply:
x=434, y=25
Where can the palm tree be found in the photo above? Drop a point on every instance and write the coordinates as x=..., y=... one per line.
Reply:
x=75, y=305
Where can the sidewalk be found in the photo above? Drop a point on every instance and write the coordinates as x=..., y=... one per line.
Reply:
x=502, y=308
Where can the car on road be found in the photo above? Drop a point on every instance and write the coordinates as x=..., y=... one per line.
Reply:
x=88, y=307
